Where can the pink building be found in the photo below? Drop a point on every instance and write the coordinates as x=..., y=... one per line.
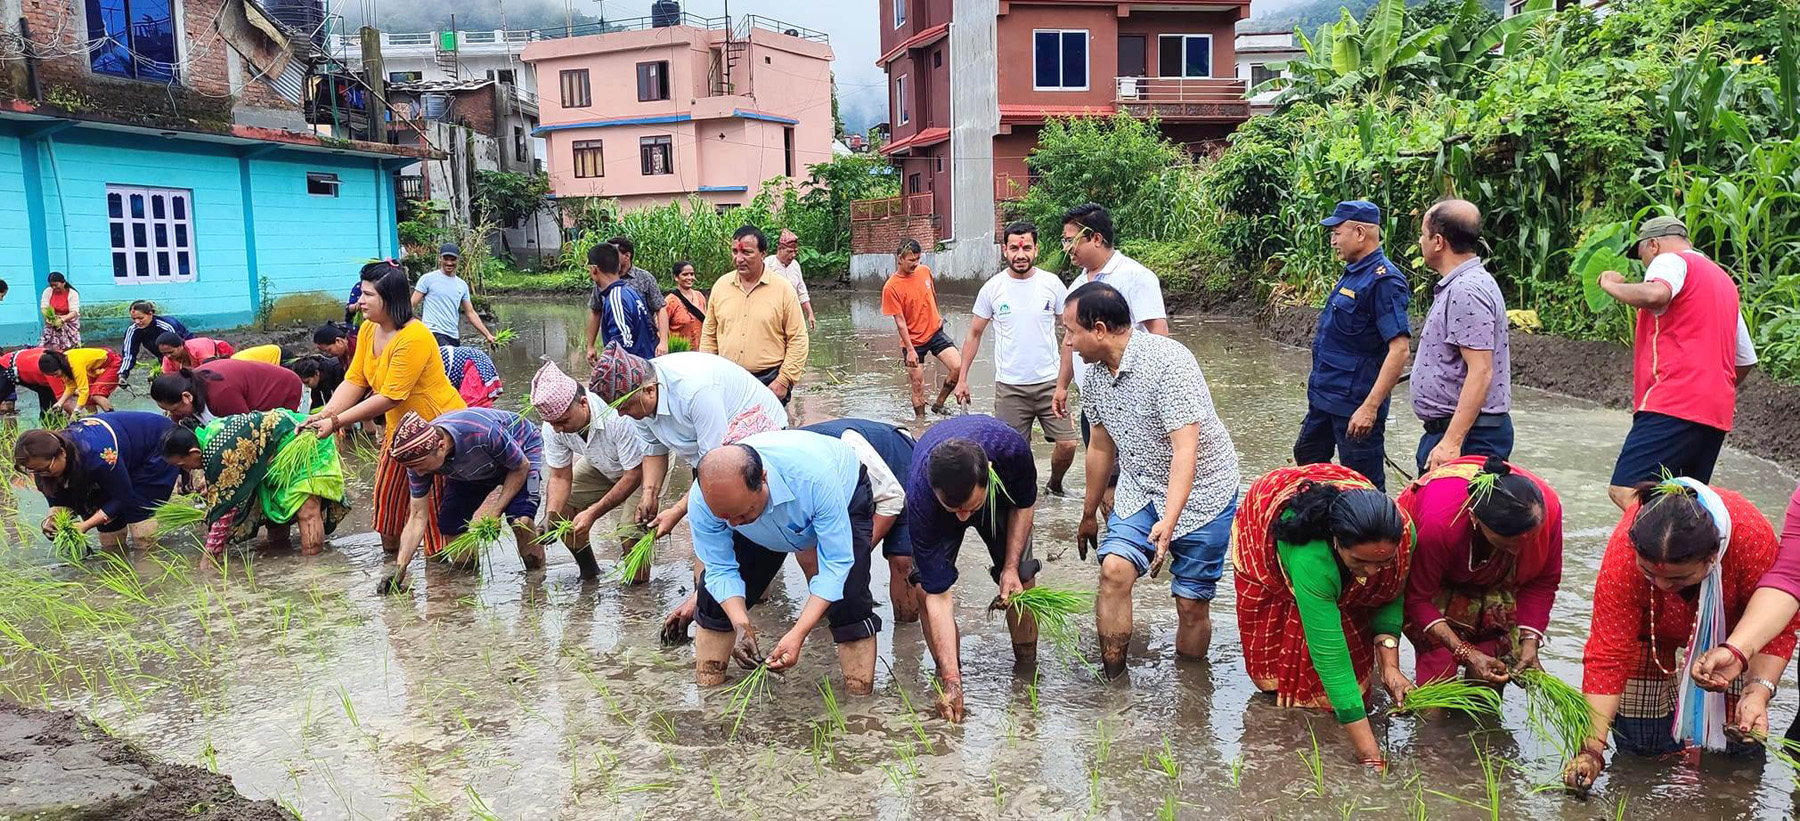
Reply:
x=655, y=110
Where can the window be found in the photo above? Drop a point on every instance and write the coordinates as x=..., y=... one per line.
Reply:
x=940, y=163
x=724, y=208
x=1261, y=73
x=575, y=92
x=405, y=76
x=132, y=38
x=914, y=184
x=321, y=185
x=1059, y=60
x=899, y=13
x=937, y=59
x=787, y=150
x=653, y=81
x=589, y=162
x=503, y=75
x=152, y=234
x=1184, y=55
x=901, y=104
x=520, y=154
x=656, y=155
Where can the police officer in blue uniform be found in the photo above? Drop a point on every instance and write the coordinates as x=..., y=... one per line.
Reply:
x=1359, y=350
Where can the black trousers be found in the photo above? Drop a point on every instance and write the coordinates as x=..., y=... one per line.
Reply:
x=768, y=378
x=852, y=617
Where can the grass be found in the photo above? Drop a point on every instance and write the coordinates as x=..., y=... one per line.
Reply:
x=635, y=567
x=754, y=685
x=69, y=543
x=181, y=511
x=1556, y=710
x=469, y=546
x=1452, y=694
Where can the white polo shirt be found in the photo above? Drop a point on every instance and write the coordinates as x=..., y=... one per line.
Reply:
x=1140, y=287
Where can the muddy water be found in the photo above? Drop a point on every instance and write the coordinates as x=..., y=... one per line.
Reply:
x=516, y=695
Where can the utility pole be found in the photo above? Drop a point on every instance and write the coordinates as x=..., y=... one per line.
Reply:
x=377, y=106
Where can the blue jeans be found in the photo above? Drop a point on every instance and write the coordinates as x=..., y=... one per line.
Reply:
x=1196, y=561
x=1493, y=440
x=1321, y=433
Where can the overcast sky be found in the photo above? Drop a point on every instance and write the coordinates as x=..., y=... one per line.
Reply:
x=862, y=88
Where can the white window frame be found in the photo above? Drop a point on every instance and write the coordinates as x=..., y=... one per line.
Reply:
x=1087, y=73
x=902, y=111
x=326, y=178
x=150, y=222
x=1211, y=55
x=899, y=13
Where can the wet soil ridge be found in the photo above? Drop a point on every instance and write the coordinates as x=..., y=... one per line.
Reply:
x=58, y=765
x=1768, y=411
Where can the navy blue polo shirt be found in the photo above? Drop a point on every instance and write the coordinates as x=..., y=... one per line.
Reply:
x=1364, y=313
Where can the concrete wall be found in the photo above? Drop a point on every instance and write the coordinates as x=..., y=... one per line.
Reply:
x=251, y=216
x=975, y=107
x=873, y=269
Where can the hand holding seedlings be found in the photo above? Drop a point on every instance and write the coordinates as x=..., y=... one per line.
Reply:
x=1584, y=769
x=1485, y=667
x=1010, y=584
x=787, y=651
x=393, y=583
x=950, y=701
x=744, y=649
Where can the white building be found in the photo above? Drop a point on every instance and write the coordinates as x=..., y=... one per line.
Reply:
x=1256, y=49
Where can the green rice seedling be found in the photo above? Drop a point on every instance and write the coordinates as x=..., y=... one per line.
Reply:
x=469, y=546
x=503, y=338
x=117, y=575
x=912, y=713
x=1164, y=761
x=558, y=532
x=1315, y=765
x=1168, y=810
x=1557, y=711
x=1054, y=609
x=999, y=795
x=1781, y=748
x=754, y=685
x=834, y=714
x=209, y=755
x=1094, y=789
x=718, y=794
x=1237, y=771
x=679, y=343
x=349, y=708
x=69, y=543
x=295, y=460
x=1103, y=749
x=477, y=807
x=1451, y=694
x=1031, y=691
x=634, y=568
x=181, y=511
x=54, y=419
x=995, y=490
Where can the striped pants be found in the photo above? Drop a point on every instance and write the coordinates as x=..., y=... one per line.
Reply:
x=393, y=500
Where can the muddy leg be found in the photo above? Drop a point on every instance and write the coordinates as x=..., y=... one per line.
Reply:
x=1024, y=630
x=578, y=544
x=1112, y=612
x=311, y=521
x=1061, y=457
x=915, y=376
x=280, y=537
x=1193, y=630
x=857, y=660
x=530, y=552
x=901, y=591
x=712, y=649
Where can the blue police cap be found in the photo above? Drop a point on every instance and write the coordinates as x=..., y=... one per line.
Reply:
x=1353, y=211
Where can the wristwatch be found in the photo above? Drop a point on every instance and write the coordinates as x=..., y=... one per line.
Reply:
x=1764, y=682
x=1389, y=642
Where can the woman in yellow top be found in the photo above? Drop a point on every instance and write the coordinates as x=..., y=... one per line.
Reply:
x=270, y=354
x=396, y=369
x=95, y=376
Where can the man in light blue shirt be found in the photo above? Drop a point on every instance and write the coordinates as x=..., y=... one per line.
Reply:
x=440, y=295
x=758, y=500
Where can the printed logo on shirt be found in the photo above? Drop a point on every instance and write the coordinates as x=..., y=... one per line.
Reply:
x=1003, y=309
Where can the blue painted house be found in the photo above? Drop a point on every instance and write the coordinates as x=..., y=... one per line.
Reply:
x=173, y=163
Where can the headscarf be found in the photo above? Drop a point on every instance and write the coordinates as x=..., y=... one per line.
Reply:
x=414, y=438
x=1700, y=714
x=553, y=392
x=618, y=373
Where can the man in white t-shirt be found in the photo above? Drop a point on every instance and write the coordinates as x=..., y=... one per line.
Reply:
x=593, y=455
x=1023, y=304
x=440, y=296
x=786, y=262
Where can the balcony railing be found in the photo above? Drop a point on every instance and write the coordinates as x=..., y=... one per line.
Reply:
x=911, y=205
x=485, y=40
x=1173, y=98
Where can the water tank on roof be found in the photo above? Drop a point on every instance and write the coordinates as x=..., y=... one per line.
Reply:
x=306, y=17
x=665, y=13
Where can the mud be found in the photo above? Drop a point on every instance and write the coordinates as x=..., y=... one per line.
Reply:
x=59, y=765
x=1766, y=424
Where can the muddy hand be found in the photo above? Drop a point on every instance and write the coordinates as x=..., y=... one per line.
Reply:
x=675, y=626
x=748, y=655
x=393, y=583
x=950, y=702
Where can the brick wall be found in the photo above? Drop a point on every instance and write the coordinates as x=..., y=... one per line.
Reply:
x=883, y=235
x=475, y=109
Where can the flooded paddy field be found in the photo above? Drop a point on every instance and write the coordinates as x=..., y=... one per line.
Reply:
x=514, y=694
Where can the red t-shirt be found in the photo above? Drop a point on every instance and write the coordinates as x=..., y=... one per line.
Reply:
x=244, y=386
x=913, y=298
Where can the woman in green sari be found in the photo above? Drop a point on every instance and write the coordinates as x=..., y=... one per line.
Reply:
x=258, y=472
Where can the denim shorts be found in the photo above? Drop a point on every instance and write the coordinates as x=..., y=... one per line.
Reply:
x=1196, y=561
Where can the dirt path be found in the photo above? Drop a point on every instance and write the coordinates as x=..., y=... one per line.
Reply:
x=59, y=765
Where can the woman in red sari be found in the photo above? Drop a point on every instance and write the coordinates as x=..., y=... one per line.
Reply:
x=1656, y=588
x=1485, y=571
x=1320, y=560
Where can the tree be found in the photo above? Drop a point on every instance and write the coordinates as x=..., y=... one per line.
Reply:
x=508, y=198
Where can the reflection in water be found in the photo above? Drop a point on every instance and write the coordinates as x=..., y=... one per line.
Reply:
x=538, y=696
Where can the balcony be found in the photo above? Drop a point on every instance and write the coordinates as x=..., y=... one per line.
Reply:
x=909, y=205
x=1172, y=99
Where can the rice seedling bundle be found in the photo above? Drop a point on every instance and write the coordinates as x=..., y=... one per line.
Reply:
x=558, y=532
x=754, y=685
x=636, y=563
x=297, y=457
x=1556, y=709
x=504, y=337
x=473, y=542
x=1055, y=610
x=678, y=343
x=68, y=542
x=1781, y=748
x=1452, y=694
x=181, y=511
x=54, y=419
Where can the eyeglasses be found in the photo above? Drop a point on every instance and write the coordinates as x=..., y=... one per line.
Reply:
x=1069, y=242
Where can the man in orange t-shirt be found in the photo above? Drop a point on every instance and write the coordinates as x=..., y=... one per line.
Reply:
x=911, y=300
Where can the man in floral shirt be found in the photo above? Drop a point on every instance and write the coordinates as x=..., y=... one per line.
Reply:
x=1153, y=418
